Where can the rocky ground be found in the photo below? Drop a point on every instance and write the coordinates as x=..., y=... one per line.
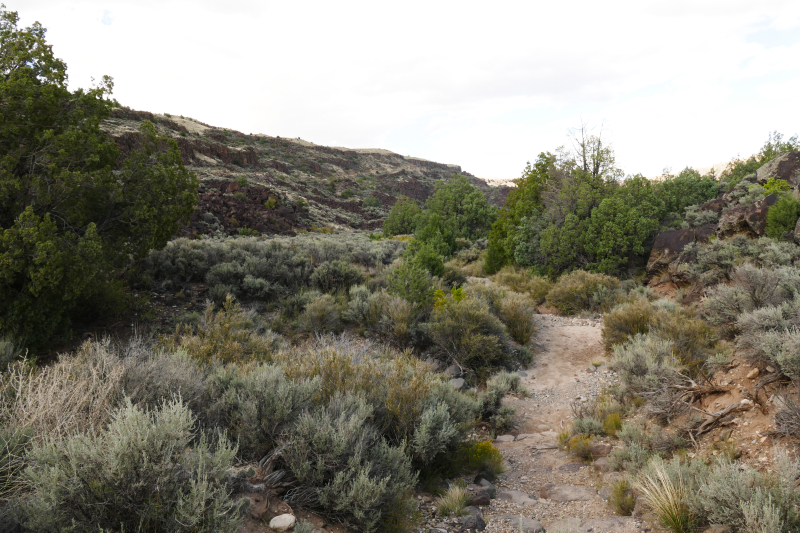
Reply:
x=543, y=487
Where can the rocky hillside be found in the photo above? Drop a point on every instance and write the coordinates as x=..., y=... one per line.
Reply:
x=740, y=211
x=260, y=184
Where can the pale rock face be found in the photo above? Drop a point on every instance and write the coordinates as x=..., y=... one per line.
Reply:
x=282, y=523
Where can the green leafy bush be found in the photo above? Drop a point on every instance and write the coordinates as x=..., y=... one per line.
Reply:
x=402, y=219
x=412, y=283
x=782, y=217
x=146, y=472
x=573, y=292
x=686, y=189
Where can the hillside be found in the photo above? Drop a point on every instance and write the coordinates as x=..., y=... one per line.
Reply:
x=274, y=185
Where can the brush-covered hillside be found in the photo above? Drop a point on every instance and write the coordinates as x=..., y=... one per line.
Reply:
x=205, y=331
x=273, y=185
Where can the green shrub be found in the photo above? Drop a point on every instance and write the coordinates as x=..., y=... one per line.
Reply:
x=621, y=498
x=744, y=499
x=522, y=281
x=502, y=417
x=257, y=406
x=146, y=472
x=398, y=385
x=588, y=426
x=482, y=455
x=371, y=201
x=612, y=424
x=644, y=364
x=332, y=276
x=429, y=260
x=467, y=332
x=228, y=335
x=580, y=446
x=319, y=315
x=344, y=469
x=573, y=292
x=397, y=316
x=626, y=321
x=436, y=433
x=296, y=303
x=402, y=217
x=517, y=312
x=782, y=217
x=411, y=283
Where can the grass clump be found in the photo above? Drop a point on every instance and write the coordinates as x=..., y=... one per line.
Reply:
x=667, y=498
x=612, y=424
x=621, y=498
x=574, y=292
x=453, y=501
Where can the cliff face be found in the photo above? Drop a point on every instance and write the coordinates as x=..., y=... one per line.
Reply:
x=263, y=184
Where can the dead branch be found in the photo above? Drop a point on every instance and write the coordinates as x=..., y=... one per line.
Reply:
x=719, y=418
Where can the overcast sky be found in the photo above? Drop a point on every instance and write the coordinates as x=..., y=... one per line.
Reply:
x=485, y=85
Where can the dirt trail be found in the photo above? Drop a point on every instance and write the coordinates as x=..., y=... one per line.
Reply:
x=570, y=495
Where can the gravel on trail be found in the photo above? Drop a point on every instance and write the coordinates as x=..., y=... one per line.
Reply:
x=555, y=492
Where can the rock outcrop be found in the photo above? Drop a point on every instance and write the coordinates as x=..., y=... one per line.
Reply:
x=785, y=167
x=749, y=219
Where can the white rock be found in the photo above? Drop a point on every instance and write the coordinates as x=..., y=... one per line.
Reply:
x=282, y=522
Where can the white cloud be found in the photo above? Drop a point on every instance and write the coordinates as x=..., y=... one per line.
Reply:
x=486, y=86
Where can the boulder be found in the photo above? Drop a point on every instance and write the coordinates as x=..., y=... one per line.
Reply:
x=749, y=219
x=716, y=205
x=452, y=371
x=517, y=496
x=457, y=383
x=434, y=364
x=667, y=245
x=505, y=438
x=784, y=167
x=599, y=449
x=567, y=493
x=485, y=474
x=474, y=520
x=283, y=522
x=601, y=464
x=524, y=524
x=478, y=495
x=488, y=487
x=704, y=233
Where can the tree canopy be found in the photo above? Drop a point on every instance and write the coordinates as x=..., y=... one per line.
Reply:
x=74, y=213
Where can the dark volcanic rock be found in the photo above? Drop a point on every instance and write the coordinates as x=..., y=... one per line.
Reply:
x=784, y=167
x=749, y=219
x=716, y=205
x=667, y=246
